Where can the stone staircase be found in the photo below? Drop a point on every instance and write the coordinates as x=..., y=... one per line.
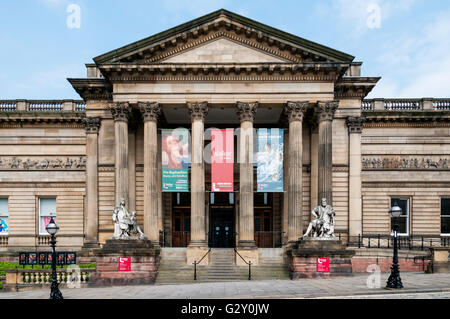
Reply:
x=222, y=267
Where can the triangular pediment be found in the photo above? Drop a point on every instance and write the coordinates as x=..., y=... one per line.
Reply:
x=231, y=37
x=223, y=50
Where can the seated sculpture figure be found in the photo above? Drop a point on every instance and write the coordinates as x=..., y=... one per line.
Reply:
x=323, y=224
x=125, y=224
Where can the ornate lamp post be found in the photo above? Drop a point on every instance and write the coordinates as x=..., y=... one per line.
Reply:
x=52, y=229
x=394, y=281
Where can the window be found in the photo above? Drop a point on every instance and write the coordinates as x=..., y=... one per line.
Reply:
x=445, y=216
x=4, y=216
x=403, y=220
x=47, y=210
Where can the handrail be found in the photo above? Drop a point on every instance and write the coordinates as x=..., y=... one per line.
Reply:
x=195, y=263
x=249, y=263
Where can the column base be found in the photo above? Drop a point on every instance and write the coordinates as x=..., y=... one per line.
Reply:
x=196, y=253
x=91, y=245
x=247, y=244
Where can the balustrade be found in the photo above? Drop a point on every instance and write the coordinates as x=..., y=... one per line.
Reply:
x=42, y=105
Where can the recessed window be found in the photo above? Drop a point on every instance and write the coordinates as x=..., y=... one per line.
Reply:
x=47, y=210
x=445, y=216
x=403, y=220
x=4, y=216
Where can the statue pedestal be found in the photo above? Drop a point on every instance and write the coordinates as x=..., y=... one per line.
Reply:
x=144, y=262
x=302, y=258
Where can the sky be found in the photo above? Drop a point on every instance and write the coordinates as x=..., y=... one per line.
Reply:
x=44, y=42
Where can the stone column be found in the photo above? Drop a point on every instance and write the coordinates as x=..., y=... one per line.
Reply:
x=198, y=112
x=198, y=245
x=159, y=172
x=132, y=167
x=325, y=113
x=314, y=164
x=355, y=126
x=151, y=112
x=246, y=112
x=91, y=216
x=121, y=113
x=295, y=112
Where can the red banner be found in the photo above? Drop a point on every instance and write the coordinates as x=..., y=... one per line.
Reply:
x=222, y=160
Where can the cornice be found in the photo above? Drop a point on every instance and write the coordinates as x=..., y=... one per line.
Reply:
x=93, y=89
x=303, y=72
x=407, y=118
x=354, y=87
x=52, y=118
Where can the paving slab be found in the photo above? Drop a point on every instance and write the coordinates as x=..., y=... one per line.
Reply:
x=416, y=284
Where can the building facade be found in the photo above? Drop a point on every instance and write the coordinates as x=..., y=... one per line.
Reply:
x=76, y=159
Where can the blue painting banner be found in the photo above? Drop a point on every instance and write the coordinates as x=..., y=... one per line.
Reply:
x=269, y=158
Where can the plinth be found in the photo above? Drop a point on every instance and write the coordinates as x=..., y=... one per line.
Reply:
x=303, y=258
x=144, y=263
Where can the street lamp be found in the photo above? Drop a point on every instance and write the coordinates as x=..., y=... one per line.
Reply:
x=52, y=229
x=394, y=281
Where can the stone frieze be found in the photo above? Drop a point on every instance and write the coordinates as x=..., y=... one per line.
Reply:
x=405, y=163
x=42, y=164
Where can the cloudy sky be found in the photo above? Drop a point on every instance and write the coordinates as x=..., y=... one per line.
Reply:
x=405, y=41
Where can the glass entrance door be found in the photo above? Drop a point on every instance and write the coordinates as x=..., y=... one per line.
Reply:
x=222, y=228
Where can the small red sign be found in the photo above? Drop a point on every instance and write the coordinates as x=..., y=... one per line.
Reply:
x=124, y=264
x=323, y=264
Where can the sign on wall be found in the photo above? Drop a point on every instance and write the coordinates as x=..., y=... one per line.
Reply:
x=175, y=160
x=323, y=265
x=222, y=160
x=269, y=159
x=124, y=263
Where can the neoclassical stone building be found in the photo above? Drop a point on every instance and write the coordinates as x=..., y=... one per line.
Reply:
x=76, y=159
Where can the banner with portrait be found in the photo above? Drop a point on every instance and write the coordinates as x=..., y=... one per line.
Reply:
x=222, y=160
x=269, y=158
x=175, y=160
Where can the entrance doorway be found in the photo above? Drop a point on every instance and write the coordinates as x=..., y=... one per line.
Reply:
x=222, y=232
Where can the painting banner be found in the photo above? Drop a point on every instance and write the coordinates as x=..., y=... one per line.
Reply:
x=175, y=160
x=270, y=160
x=222, y=160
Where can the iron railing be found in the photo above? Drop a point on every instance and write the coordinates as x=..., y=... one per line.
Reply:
x=197, y=263
x=249, y=263
x=386, y=241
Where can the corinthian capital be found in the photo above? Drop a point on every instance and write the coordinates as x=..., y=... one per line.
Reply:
x=325, y=110
x=296, y=110
x=150, y=111
x=247, y=111
x=121, y=111
x=198, y=110
x=92, y=125
x=355, y=124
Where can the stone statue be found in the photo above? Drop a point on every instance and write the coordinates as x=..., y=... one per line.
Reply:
x=125, y=224
x=323, y=224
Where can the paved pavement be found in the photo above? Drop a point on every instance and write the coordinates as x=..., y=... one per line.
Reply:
x=417, y=285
